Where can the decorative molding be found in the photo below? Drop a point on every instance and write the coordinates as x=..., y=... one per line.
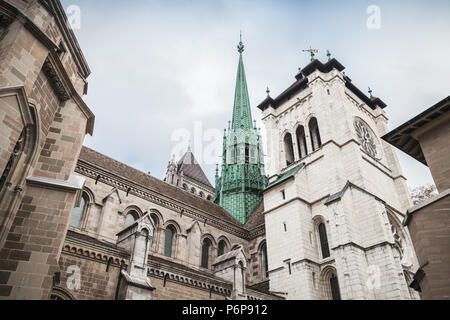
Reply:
x=74, y=183
x=258, y=231
x=185, y=280
x=98, y=254
x=57, y=11
x=55, y=81
x=145, y=193
x=5, y=20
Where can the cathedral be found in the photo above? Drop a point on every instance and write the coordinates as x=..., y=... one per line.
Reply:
x=320, y=219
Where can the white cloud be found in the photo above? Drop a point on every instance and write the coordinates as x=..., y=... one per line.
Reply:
x=159, y=66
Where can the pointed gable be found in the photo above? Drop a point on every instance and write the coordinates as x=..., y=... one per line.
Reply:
x=190, y=168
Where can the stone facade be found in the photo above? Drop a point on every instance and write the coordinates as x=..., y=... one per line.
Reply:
x=114, y=190
x=348, y=183
x=425, y=138
x=44, y=121
x=76, y=224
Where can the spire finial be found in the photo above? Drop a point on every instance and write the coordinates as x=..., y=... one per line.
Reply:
x=370, y=92
x=268, y=91
x=328, y=55
x=189, y=146
x=240, y=46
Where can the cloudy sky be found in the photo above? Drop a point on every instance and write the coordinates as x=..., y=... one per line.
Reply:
x=164, y=68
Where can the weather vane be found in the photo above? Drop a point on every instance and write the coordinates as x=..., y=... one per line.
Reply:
x=312, y=52
x=329, y=55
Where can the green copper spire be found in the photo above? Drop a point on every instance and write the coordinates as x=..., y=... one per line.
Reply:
x=241, y=183
x=242, y=118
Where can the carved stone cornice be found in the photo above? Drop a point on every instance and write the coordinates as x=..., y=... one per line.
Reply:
x=55, y=81
x=7, y=14
x=53, y=67
x=106, y=253
x=257, y=232
x=98, y=254
x=5, y=20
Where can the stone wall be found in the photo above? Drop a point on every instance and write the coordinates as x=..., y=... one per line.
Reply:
x=40, y=190
x=430, y=231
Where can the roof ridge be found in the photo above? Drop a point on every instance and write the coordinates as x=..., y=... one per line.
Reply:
x=229, y=219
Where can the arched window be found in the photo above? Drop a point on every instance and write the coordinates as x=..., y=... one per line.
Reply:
x=334, y=285
x=193, y=190
x=168, y=242
x=208, y=198
x=221, y=248
x=288, y=149
x=78, y=212
x=131, y=218
x=201, y=194
x=301, y=142
x=185, y=187
x=205, y=253
x=264, y=264
x=324, y=241
x=316, y=142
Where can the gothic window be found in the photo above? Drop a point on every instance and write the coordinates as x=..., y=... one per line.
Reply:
x=288, y=149
x=264, y=262
x=205, y=253
x=366, y=137
x=131, y=218
x=324, y=241
x=78, y=212
x=316, y=142
x=168, y=243
x=201, y=194
x=301, y=142
x=208, y=198
x=185, y=187
x=334, y=284
x=193, y=190
x=221, y=248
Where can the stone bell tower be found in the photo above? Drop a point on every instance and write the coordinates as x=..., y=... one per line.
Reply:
x=239, y=188
x=336, y=195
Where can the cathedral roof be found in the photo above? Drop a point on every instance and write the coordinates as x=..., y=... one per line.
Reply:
x=285, y=176
x=190, y=168
x=402, y=137
x=301, y=83
x=115, y=167
x=256, y=218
